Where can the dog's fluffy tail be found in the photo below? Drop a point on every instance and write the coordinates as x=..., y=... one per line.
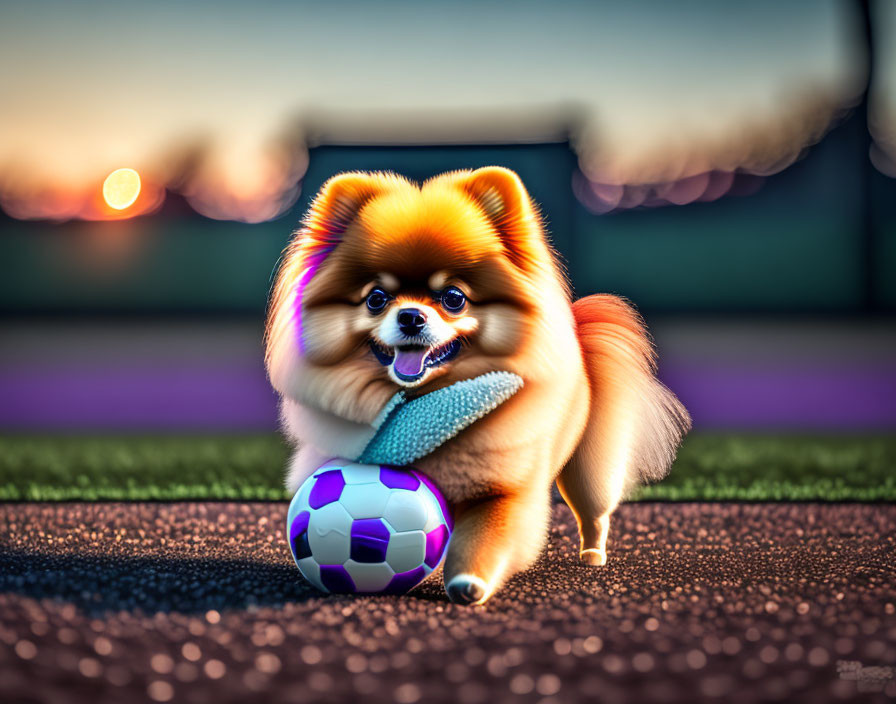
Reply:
x=635, y=421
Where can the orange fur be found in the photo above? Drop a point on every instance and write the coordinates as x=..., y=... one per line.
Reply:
x=635, y=424
x=591, y=414
x=619, y=352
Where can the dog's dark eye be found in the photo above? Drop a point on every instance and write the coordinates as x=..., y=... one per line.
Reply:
x=453, y=299
x=376, y=300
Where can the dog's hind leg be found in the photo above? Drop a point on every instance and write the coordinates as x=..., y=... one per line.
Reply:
x=634, y=426
x=592, y=484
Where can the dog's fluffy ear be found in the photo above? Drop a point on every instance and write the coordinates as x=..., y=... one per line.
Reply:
x=336, y=206
x=504, y=200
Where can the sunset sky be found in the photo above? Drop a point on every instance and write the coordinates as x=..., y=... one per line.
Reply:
x=89, y=87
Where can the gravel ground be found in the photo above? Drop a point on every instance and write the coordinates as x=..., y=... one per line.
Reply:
x=200, y=602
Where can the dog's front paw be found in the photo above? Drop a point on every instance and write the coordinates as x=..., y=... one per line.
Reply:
x=593, y=556
x=466, y=589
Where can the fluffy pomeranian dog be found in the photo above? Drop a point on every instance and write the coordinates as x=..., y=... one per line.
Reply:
x=389, y=285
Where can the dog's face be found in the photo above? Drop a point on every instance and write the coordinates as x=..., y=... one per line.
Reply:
x=391, y=285
x=417, y=336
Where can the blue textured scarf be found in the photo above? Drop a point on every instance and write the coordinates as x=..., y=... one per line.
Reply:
x=407, y=430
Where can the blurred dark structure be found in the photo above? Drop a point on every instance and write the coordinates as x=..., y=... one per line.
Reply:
x=819, y=237
x=800, y=244
x=546, y=169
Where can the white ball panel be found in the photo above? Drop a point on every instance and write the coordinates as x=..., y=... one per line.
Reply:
x=354, y=473
x=365, y=500
x=311, y=571
x=433, y=509
x=405, y=511
x=369, y=576
x=406, y=550
x=329, y=534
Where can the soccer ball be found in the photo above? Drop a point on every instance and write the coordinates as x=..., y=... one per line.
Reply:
x=361, y=528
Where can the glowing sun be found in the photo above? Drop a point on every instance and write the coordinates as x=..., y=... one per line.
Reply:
x=121, y=188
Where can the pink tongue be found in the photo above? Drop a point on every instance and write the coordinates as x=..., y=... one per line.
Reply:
x=410, y=362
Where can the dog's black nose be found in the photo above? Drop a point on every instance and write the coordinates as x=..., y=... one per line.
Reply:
x=411, y=321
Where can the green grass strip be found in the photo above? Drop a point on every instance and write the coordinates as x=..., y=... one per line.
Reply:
x=753, y=467
x=169, y=467
x=712, y=467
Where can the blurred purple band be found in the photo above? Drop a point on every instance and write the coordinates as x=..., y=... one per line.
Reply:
x=730, y=375
x=237, y=397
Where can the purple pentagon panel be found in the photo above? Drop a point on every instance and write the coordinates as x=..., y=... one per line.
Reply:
x=370, y=527
x=370, y=540
x=301, y=548
x=336, y=579
x=405, y=581
x=446, y=512
x=398, y=479
x=436, y=540
x=299, y=524
x=298, y=536
x=327, y=488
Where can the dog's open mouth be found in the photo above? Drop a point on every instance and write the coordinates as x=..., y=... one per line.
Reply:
x=410, y=362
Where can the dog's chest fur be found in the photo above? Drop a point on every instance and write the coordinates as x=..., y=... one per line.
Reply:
x=514, y=450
